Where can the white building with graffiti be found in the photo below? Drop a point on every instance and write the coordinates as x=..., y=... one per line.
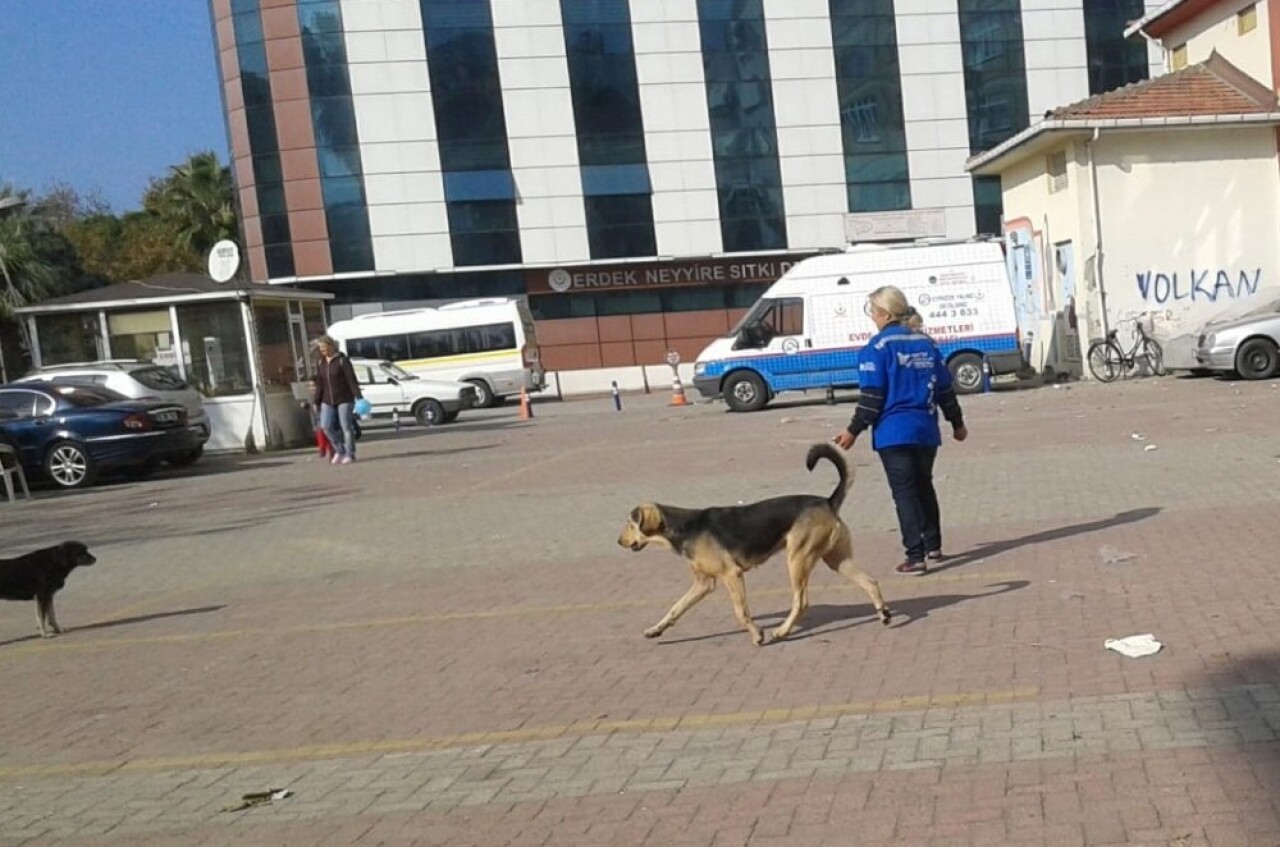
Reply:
x=1159, y=201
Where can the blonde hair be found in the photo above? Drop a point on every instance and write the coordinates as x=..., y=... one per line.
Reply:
x=326, y=341
x=890, y=300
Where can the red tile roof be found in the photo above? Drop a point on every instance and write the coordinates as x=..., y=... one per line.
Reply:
x=1213, y=87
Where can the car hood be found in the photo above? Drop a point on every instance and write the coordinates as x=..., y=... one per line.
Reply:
x=1236, y=323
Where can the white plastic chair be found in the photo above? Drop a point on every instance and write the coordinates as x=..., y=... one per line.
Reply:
x=9, y=468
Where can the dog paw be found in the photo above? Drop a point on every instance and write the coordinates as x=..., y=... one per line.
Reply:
x=759, y=638
x=885, y=616
x=653, y=632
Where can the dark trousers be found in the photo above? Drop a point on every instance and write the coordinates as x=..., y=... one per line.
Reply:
x=910, y=473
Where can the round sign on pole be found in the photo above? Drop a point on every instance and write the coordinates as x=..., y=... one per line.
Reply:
x=224, y=261
x=673, y=358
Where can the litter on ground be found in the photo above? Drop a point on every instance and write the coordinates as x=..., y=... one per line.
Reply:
x=1112, y=556
x=1134, y=646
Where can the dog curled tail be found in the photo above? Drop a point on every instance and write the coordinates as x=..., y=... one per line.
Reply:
x=831, y=454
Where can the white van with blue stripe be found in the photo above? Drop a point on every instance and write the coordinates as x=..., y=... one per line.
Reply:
x=805, y=332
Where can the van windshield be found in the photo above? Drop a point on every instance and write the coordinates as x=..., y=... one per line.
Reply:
x=753, y=316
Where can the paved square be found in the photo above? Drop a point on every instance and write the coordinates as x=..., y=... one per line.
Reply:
x=441, y=643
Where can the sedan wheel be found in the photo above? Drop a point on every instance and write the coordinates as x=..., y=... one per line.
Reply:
x=429, y=413
x=69, y=465
x=1257, y=359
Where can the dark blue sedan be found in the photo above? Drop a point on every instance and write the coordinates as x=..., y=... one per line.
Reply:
x=71, y=433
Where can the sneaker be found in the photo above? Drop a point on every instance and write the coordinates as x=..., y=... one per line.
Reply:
x=335, y=459
x=346, y=460
x=911, y=569
x=934, y=556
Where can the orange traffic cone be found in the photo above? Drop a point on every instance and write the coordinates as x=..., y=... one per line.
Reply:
x=526, y=405
x=677, y=390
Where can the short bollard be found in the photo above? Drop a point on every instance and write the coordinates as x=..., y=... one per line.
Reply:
x=986, y=375
x=617, y=397
x=395, y=418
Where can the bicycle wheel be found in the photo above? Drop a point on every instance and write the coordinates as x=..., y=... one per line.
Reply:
x=1106, y=362
x=1155, y=356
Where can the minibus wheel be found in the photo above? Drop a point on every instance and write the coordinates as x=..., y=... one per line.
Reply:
x=484, y=394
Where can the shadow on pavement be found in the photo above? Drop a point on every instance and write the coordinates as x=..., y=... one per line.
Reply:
x=905, y=612
x=443, y=451
x=992, y=549
x=200, y=610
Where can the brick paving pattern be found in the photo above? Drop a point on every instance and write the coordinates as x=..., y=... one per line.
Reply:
x=440, y=644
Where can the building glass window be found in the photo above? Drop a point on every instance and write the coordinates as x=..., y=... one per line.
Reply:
x=621, y=226
x=610, y=129
x=744, y=131
x=140, y=335
x=1114, y=61
x=337, y=141
x=1247, y=19
x=995, y=82
x=74, y=337
x=484, y=232
x=869, y=84
x=264, y=144
x=275, y=349
x=462, y=62
x=214, y=352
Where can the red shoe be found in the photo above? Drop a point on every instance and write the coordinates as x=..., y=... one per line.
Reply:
x=911, y=569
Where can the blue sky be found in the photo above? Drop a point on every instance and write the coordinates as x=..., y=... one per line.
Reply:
x=105, y=94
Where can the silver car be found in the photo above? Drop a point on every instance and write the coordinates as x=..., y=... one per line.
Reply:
x=1248, y=345
x=136, y=380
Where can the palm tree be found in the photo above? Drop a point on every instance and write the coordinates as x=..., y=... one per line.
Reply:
x=197, y=200
x=26, y=273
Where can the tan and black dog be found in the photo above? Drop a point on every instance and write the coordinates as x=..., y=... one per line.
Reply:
x=724, y=542
x=39, y=575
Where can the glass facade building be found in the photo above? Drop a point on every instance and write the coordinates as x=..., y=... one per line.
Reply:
x=398, y=153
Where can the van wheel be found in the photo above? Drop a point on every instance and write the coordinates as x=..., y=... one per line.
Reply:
x=429, y=413
x=484, y=394
x=966, y=373
x=744, y=391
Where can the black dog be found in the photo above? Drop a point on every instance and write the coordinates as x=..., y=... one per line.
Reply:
x=39, y=575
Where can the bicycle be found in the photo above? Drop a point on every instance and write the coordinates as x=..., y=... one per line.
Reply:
x=1108, y=360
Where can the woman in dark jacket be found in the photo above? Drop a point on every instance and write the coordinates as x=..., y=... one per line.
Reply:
x=336, y=394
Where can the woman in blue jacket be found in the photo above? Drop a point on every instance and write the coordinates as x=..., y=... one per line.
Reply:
x=903, y=381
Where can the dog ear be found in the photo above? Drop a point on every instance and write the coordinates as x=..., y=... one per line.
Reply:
x=648, y=518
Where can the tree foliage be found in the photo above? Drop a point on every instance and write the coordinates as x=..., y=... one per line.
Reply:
x=61, y=241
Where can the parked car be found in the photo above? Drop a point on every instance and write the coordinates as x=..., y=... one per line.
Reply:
x=71, y=432
x=432, y=402
x=137, y=380
x=1247, y=345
